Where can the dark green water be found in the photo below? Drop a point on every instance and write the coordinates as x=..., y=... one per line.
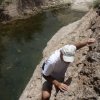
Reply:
x=21, y=45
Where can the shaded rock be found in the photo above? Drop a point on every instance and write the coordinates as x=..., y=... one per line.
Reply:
x=4, y=16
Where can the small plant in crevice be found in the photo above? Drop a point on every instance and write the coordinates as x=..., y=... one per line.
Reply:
x=96, y=4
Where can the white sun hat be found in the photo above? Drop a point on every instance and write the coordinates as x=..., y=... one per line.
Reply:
x=68, y=52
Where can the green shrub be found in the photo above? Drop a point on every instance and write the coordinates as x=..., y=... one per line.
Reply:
x=1, y=1
x=96, y=4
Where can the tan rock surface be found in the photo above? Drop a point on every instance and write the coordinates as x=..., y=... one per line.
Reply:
x=68, y=34
x=25, y=8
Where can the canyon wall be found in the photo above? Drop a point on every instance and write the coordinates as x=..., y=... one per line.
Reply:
x=24, y=8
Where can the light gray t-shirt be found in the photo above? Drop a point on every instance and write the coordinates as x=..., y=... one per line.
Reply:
x=54, y=66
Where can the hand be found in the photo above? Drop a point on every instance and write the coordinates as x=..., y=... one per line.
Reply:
x=63, y=87
x=91, y=40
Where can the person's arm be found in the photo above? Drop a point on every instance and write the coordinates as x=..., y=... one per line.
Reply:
x=84, y=43
x=61, y=86
x=51, y=79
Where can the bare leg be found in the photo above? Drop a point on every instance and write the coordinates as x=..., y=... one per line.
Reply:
x=46, y=90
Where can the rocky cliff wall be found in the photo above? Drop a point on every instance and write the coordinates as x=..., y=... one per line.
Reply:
x=84, y=73
x=24, y=8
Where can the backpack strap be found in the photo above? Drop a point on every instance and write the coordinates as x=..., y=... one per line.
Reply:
x=43, y=66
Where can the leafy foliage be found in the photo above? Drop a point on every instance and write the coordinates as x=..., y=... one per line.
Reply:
x=96, y=4
x=1, y=1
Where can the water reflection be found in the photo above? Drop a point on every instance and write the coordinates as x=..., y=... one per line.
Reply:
x=21, y=45
x=20, y=30
x=61, y=15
